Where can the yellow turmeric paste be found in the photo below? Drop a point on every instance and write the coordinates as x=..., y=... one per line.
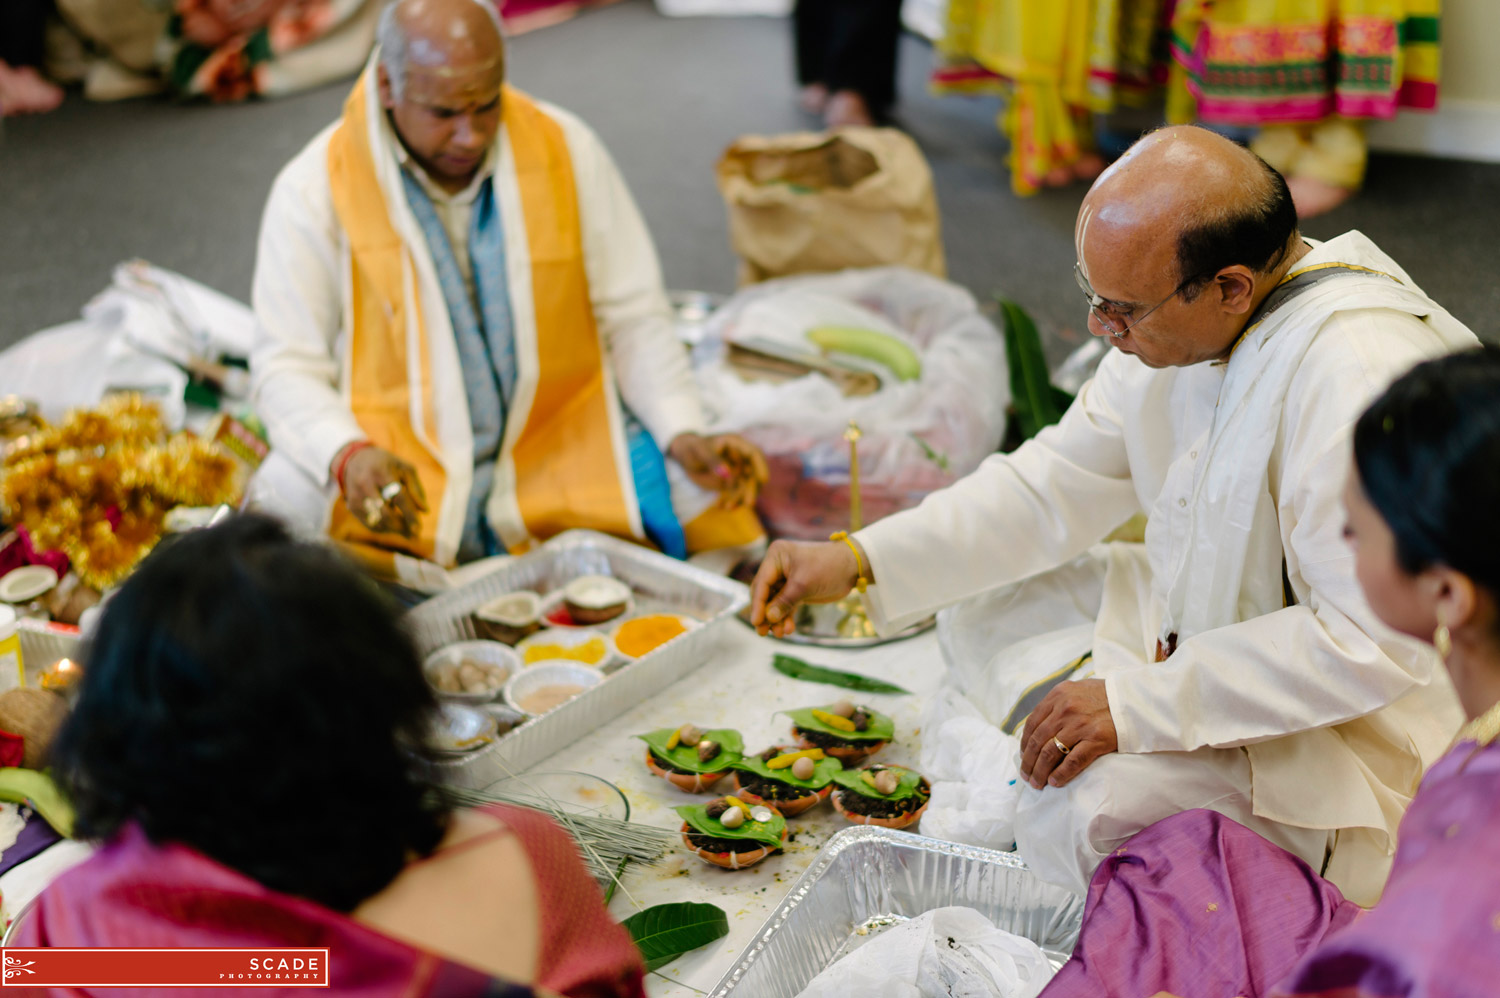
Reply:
x=590, y=652
x=644, y=634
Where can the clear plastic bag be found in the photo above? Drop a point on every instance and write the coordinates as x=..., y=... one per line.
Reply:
x=918, y=436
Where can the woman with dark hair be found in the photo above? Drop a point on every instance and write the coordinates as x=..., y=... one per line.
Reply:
x=1201, y=907
x=242, y=745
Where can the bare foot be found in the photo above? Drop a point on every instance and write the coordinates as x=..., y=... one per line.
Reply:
x=1316, y=197
x=24, y=91
x=813, y=99
x=847, y=108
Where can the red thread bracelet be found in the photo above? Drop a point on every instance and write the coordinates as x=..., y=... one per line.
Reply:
x=343, y=462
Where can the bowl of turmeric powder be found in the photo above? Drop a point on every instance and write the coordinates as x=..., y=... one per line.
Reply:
x=640, y=636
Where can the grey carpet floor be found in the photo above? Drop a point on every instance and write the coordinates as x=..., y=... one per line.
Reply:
x=182, y=185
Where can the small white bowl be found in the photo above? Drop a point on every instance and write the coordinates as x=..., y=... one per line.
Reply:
x=487, y=652
x=544, y=674
x=567, y=637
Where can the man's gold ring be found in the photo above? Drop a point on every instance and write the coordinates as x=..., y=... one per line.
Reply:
x=1064, y=749
x=373, y=509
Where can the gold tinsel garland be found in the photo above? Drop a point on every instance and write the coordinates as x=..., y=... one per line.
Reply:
x=98, y=487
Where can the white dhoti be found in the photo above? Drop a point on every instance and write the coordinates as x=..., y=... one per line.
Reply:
x=1007, y=648
x=1285, y=703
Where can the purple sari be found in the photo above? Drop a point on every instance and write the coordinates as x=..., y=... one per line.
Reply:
x=1202, y=907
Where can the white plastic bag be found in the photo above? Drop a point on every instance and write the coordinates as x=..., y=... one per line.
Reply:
x=944, y=953
x=974, y=768
x=918, y=436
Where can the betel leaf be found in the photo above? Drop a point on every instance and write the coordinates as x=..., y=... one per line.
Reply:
x=853, y=779
x=666, y=931
x=824, y=770
x=767, y=833
x=881, y=728
x=731, y=746
x=806, y=671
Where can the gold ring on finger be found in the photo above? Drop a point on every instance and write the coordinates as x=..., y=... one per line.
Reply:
x=1064, y=749
x=373, y=510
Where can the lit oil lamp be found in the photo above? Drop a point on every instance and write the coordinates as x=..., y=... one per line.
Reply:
x=61, y=677
x=856, y=622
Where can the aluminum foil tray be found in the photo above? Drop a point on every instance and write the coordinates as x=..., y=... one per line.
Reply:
x=869, y=878
x=661, y=584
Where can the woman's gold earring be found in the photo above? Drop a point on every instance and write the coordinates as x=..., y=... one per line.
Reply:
x=1441, y=639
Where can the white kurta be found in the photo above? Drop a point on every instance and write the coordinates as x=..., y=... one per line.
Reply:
x=1330, y=716
x=298, y=301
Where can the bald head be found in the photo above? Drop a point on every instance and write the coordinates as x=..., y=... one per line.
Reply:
x=1214, y=201
x=438, y=36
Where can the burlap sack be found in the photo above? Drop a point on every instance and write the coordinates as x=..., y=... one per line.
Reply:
x=812, y=202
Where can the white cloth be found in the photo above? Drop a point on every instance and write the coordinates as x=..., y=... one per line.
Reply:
x=301, y=331
x=1064, y=836
x=1338, y=716
x=139, y=334
x=943, y=953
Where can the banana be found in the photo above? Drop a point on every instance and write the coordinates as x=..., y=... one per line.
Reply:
x=27, y=786
x=879, y=347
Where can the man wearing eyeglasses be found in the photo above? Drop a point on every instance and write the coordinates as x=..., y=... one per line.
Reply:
x=1230, y=661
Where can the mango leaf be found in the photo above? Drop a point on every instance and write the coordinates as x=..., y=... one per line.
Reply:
x=910, y=785
x=666, y=931
x=881, y=729
x=806, y=671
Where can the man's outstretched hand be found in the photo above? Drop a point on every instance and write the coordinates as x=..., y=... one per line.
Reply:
x=798, y=572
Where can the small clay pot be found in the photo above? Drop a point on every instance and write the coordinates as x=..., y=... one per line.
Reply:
x=788, y=808
x=900, y=821
x=728, y=860
x=693, y=783
x=850, y=755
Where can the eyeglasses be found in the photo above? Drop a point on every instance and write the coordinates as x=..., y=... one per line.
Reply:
x=1101, y=307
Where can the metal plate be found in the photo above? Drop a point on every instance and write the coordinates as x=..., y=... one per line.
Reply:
x=819, y=626
x=660, y=584
x=869, y=878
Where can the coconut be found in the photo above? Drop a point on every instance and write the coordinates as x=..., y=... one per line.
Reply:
x=35, y=715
